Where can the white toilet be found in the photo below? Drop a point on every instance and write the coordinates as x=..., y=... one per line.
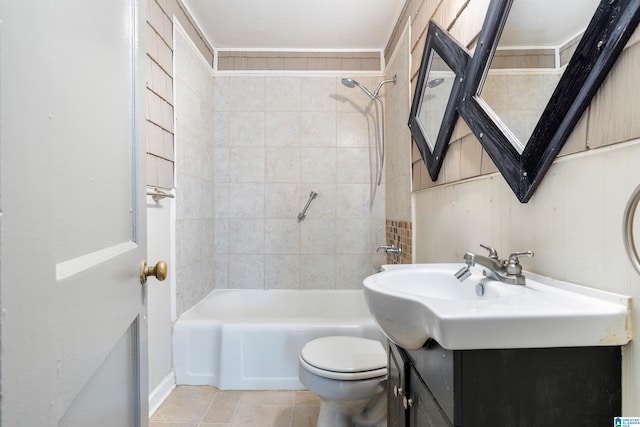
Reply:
x=350, y=376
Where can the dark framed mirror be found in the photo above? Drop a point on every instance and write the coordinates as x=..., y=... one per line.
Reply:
x=523, y=147
x=438, y=88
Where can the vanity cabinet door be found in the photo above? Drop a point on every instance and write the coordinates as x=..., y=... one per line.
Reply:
x=396, y=415
x=422, y=408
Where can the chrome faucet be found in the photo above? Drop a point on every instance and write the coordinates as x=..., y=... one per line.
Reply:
x=506, y=271
x=390, y=249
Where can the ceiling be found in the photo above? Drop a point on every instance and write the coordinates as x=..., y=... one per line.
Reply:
x=296, y=24
x=363, y=24
x=561, y=20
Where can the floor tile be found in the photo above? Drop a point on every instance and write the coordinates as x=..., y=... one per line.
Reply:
x=203, y=406
x=185, y=404
x=160, y=424
x=263, y=416
x=223, y=407
x=305, y=416
x=304, y=397
x=268, y=398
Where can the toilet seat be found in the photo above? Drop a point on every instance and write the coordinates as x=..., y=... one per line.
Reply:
x=344, y=358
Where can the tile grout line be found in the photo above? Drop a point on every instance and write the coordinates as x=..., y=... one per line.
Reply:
x=237, y=407
x=208, y=409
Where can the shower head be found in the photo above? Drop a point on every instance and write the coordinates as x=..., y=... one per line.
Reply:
x=351, y=83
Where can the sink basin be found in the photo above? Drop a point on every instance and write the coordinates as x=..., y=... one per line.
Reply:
x=413, y=303
x=441, y=284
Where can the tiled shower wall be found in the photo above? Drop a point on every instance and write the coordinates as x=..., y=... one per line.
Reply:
x=194, y=99
x=278, y=138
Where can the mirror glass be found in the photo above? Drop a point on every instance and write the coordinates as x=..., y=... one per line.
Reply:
x=434, y=109
x=537, y=41
x=435, y=96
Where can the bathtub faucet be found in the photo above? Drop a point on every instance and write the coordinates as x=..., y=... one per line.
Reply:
x=506, y=270
x=390, y=249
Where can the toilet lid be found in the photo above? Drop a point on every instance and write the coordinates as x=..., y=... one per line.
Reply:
x=345, y=357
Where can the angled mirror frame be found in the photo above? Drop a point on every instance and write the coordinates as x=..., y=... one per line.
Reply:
x=438, y=41
x=602, y=42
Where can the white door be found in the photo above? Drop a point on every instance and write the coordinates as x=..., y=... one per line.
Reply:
x=73, y=327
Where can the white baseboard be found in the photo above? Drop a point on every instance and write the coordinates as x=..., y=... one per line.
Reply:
x=161, y=392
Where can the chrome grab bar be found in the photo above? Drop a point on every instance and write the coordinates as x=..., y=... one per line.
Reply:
x=627, y=228
x=302, y=215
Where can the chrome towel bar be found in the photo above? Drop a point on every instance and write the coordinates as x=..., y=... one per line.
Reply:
x=627, y=228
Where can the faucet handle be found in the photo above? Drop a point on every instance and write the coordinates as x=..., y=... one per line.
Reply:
x=513, y=257
x=493, y=254
x=513, y=266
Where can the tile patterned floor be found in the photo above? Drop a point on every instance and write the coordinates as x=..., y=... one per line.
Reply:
x=204, y=406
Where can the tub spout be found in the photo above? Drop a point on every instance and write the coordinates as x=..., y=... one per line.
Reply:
x=390, y=249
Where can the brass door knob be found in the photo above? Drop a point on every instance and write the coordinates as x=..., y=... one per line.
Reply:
x=159, y=271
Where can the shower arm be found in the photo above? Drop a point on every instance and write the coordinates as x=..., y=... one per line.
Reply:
x=382, y=83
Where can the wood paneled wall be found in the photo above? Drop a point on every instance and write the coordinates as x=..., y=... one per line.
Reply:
x=159, y=77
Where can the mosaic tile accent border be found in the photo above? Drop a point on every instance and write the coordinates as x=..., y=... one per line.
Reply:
x=398, y=233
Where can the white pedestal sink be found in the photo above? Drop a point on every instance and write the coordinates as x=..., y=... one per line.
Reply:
x=415, y=302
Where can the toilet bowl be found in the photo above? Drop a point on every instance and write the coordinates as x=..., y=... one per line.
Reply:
x=349, y=374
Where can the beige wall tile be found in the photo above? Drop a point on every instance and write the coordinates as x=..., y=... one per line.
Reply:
x=282, y=271
x=298, y=139
x=299, y=61
x=317, y=271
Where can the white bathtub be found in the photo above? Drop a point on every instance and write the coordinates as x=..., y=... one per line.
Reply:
x=250, y=339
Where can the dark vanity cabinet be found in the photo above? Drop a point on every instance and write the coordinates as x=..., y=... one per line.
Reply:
x=410, y=402
x=546, y=387
x=398, y=365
